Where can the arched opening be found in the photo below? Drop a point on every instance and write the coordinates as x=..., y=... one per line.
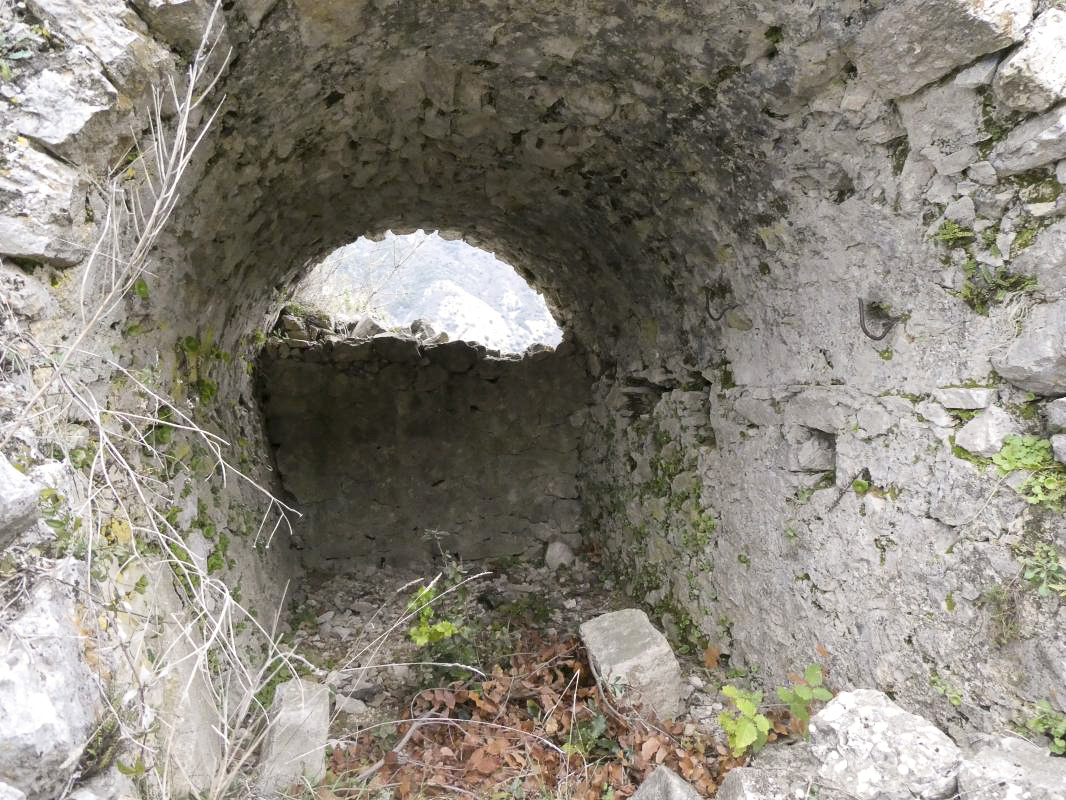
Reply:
x=442, y=286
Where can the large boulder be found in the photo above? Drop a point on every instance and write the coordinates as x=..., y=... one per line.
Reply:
x=628, y=651
x=914, y=42
x=873, y=749
x=1036, y=359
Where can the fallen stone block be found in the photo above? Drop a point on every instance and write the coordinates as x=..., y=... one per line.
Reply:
x=628, y=651
x=295, y=744
x=912, y=43
x=1034, y=77
x=985, y=433
x=1036, y=359
x=873, y=749
x=665, y=784
x=1012, y=769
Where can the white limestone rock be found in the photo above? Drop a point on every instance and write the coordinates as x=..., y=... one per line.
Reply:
x=984, y=434
x=9, y=792
x=114, y=33
x=914, y=42
x=558, y=554
x=48, y=697
x=626, y=649
x=18, y=502
x=68, y=109
x=1055, y=414
x=42, y=213
x=1058, y=447
x=665, y=784
x=1035, y=143
x=1036, y=358
x=875, y=750
x=1012, y=769
x=1034, y=77
x=935, y=413
x=294, y=747
x=965, y=397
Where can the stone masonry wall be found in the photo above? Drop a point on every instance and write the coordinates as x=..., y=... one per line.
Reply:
x=382, y=440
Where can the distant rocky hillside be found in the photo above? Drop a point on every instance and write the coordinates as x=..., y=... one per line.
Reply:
x=457, y=288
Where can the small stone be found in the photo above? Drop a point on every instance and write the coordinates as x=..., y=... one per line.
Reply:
x=1058, y=447
x=18, y=502
x=984, y=434
x=1012, y=769
x=293, y=326
x=935, y=413
x=423, y=330
x=350, y=705
x=627, y=650
x=1033, y=78
x=1036, y=360
x=1055, y=414
x=696, y=681
x=665, y=784
x=558, y=554
x=963, y=397
x=295, y=743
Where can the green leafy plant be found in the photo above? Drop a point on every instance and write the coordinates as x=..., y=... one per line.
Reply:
x=1046, y=484
x=1042, y=567
x=588, y=739
x=745, y=727
x=1050, y=723
x=426, y=630
x=984, y=287
x=803, y=693
x=953, y=234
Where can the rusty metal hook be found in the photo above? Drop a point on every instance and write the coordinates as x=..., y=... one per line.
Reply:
x=862, y=323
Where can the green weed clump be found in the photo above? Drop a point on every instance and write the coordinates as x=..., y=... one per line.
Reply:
x=1046, y=484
